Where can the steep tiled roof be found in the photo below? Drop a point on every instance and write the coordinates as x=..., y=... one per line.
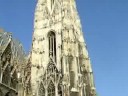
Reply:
x=17, y=50
x=5, y=39
x=16, y=47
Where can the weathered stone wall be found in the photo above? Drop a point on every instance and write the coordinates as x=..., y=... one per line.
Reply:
x=72, y=60
x=12, y=58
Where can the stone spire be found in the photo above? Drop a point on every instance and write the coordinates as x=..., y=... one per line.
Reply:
x=59, y=54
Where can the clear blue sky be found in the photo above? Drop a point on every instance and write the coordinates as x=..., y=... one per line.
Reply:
x=105, y=27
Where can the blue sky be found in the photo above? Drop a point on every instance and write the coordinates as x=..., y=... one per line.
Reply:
x=105, y=27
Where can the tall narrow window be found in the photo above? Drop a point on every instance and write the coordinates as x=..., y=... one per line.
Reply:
x=52, y=45
x=42, y=90
x=59, y=90
x=51, y=89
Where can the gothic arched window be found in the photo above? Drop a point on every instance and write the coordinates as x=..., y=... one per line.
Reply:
x=41, y=90
x=51, y=89
x=52, y=45
x=13, y=81
x=59, y=90
x=6, y=76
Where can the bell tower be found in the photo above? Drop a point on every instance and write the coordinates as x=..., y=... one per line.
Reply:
x=60, y=65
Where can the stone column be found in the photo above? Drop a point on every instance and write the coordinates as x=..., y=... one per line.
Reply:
x=0, y=70
x=56, y=90
x=74, y=75
x=84, y=87
x=20, y=88
x=46, y=92
x=63, y=65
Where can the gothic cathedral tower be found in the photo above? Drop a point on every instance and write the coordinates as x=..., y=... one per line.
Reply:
x=59, y=58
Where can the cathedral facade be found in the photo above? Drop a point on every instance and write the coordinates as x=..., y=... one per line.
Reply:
x=58, y=63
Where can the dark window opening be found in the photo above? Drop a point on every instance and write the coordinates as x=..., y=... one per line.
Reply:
x=52, y=45
x=52, y=3
x=42, y=90
x=51, y=89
